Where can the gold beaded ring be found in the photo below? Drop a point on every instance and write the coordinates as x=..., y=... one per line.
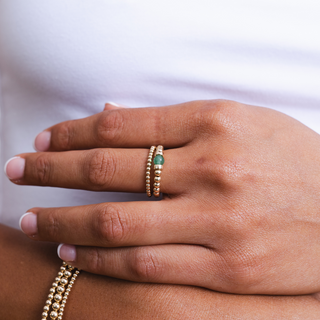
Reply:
x=158, y=162
x=59, y=293
x=148, y=171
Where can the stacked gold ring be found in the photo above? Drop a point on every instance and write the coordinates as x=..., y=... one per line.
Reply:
x=158, y=162
x=148, y=171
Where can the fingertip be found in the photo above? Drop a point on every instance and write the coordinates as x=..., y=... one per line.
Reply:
x=6, y=164
x=28, y=224
x=14, y=168
x=42, y=141
x=66, y=252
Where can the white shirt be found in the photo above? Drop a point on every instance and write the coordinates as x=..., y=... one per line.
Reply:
x=63, y=60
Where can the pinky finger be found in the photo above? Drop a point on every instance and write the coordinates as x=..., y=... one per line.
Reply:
x=174, y=264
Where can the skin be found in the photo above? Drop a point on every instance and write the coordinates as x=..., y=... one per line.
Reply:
x=241, y=197
x=29, y=268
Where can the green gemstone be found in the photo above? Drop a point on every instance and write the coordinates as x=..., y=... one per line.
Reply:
x=158, y=159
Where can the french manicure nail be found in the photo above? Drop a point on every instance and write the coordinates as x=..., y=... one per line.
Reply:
x=42, y=141
x=14, y=168
x=28, y=224
x=113, y=104
x=67, y=252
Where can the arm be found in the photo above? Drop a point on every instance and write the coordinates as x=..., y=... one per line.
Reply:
x=28, y=269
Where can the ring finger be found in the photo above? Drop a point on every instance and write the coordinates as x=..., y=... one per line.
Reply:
x=121, y=170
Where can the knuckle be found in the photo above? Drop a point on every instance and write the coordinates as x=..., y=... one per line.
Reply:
x=144, y=265
x=42, y=169
x=110, y=125
x=244, y=271
x=225, y=173
x=101, y=168
x=63, y=136
x=94, y=260
x=111, y=224
x=51, y=228
x=219, y=116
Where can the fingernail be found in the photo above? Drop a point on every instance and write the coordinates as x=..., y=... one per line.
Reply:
x=113, y=104
x=28, y=224
x=14, y=168
x=42, y=141
x=67, y=252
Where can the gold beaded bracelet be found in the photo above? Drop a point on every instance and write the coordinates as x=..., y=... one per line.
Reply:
x=59, y=293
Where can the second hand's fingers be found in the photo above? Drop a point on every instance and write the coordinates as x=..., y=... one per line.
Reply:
x=118, y=224
x=98, y=169
x=171, y=126
x=175, y=264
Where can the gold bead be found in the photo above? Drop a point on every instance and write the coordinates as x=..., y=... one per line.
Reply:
x=156, y=184
x=59, y=318
x=53, y=315
x=57, y=279
x=60, y=274
x=44, y=314
x=158, y=167
x=48, y=302
x=50, y=296
x=46, y=308
x=54, y=284
x=52, y=290
x=55, y=306
x=64, y=281
x=62, y=268
x=60, y=289
x=68, y=274
x=157, y=179
x=58, y=297
x=157, y=172
x=156, y=189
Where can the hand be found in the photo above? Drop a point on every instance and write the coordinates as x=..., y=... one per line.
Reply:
x=241, y=197
x=28, y=269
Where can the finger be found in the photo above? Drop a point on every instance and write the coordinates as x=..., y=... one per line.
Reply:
x=117, y=224
x=43, y=139
x=172, y=264
x=98, y=169
x=124, y=127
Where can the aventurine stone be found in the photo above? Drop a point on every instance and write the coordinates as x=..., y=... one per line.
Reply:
x=158, y=159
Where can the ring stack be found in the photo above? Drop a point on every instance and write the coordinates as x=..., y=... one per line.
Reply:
x=158, y=162
x=59, y=292
x=148, y=171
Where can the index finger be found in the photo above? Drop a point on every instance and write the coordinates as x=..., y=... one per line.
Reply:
x=171, y=126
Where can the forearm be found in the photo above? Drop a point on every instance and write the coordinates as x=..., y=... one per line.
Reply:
x=28, y=269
